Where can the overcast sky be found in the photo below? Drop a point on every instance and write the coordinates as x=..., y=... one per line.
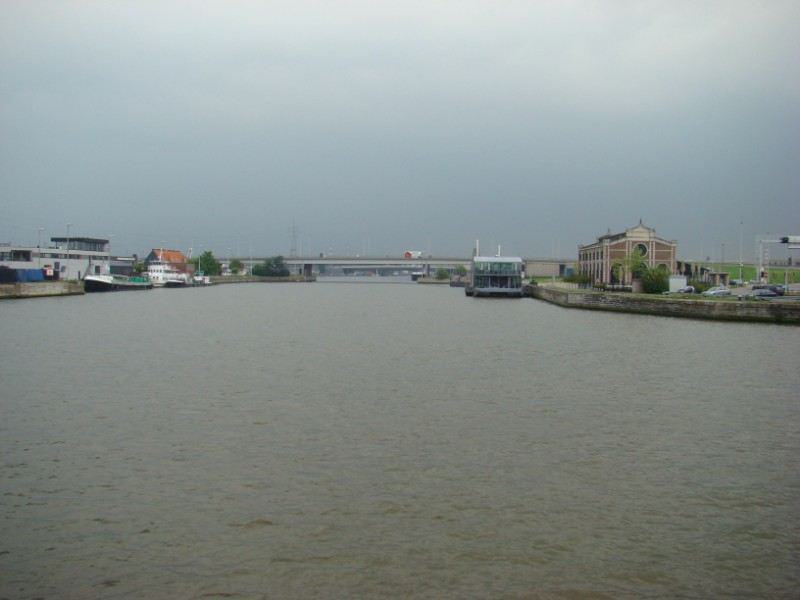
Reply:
x=382, y=126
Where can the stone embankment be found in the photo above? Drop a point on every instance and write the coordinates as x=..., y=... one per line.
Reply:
x=218, y=279
x=41, y=289
x=720, y=310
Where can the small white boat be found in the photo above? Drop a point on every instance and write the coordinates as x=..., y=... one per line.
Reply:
x=200, y=278
x=163, y=274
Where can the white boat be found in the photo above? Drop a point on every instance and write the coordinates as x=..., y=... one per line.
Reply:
x=201, y=278
x=163, y=274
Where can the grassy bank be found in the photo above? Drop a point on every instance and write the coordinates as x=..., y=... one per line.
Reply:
x=776, y=274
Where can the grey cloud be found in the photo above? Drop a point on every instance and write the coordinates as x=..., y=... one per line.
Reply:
x=528, y=124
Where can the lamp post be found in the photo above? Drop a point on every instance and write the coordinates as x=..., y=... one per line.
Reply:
x=108, y=249
x=39, y=244
x=67, y=254
x=741, y=234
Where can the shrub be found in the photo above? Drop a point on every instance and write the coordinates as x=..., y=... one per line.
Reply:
x=654, y=281
x=272, y=267
x=577, y=277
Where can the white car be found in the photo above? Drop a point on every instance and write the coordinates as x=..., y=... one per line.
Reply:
x=717, y=291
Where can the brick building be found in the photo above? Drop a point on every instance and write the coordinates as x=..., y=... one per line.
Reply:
x=597, y=260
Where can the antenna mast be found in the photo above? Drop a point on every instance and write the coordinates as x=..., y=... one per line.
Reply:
x=293, y=248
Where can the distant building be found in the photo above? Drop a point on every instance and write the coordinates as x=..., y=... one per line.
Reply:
x=598, y=260
x=65, y=258
x=547, y=267
x=717, y=278
x=175, y=258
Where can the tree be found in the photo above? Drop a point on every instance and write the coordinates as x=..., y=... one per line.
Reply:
x=633, y=264
x=442, y=274
x=206, y=264
x=236, y=266
x=272, y=267
x=461, y=270
x=698, y=285
x=655, y=280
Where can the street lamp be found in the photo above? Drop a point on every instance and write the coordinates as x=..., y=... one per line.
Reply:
x=741, y=234
x=109, y=252
x=39, y=244
x=67, y=255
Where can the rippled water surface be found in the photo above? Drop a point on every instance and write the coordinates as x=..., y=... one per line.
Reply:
x=341, y=440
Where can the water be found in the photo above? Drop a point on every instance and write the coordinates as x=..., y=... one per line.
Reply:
x=344, y=440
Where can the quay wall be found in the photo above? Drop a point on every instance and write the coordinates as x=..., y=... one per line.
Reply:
x=721, y=310
x=219, y=279
x=40, y=289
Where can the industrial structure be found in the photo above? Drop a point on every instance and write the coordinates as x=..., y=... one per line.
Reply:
x=601, y=260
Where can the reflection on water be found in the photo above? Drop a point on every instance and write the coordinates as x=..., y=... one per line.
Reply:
x=340, y=440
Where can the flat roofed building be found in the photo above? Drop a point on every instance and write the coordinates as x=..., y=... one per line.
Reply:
x=598, y=260
x=66, y=258
x=81, y=243
x=496, y=276
x=547, y=267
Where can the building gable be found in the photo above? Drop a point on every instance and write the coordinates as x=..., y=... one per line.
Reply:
x=175, y=257
x=640, y=232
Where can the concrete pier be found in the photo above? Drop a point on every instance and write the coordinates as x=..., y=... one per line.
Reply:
x=719, y=310
x=219, y=279
x=41, y=289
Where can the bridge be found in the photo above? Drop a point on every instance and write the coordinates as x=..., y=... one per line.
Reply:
x=387, y=265
x=313, y=265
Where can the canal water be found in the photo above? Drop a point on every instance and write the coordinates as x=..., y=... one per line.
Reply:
x=344, y=440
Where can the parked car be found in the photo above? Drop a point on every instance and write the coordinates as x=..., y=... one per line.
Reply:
x=778, y=289
x=717, y=291
x=689, y=289
x=763, y=293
